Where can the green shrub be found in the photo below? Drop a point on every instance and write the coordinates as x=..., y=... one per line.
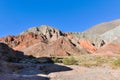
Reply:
x=69, y=61
x=56, y=60
x=116, y=63
x=91, y=60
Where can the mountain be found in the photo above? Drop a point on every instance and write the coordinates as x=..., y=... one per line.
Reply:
x=106, y=33
x=112, y=35
x=48, y=41
x=103, y=27
x=101, y=33
x=48, y=31
x=45, y=41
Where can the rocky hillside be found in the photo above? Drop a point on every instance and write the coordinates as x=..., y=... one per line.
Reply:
x=49, y=32
x=101, y=33
x=105, y=34
x=48, y=41
x=103, y=27
x=111, y=35
x=8, y=54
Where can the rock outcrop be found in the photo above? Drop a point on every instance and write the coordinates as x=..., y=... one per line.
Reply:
x=101, y=34
x=87, y=45
x=49, y=32
x=93, y=38
x=23, y=41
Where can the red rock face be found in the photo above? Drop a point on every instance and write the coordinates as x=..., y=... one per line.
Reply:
x=88, y=46
x=68, y=35
x=48, y=42
x=39, y=45
x=60, y=47
x=23, y=41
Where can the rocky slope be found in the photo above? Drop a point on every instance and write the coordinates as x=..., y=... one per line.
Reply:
x=45, y=41
x=111, y=35
x=7, y=55
x=103, y=27
x=104, y=32
x=48, y=41
x=27, y=71
x=102, y=36
x=11, y=67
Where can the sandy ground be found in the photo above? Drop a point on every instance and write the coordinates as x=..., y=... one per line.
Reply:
x=84, y=73
x=63, y=72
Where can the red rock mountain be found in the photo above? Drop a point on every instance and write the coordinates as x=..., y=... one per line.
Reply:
x=45, y=41
x=49, y=41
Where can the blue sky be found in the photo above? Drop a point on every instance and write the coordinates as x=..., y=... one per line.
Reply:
x=66, y=15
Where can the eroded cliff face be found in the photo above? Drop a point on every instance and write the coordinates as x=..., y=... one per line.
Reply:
x=88, y=46
x=23, y=41
x=81, y=42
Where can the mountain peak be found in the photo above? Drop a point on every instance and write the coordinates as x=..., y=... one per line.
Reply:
x=49, y=32
x=43, y=29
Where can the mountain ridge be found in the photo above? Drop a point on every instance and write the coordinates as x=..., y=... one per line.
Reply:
x=48, y=41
